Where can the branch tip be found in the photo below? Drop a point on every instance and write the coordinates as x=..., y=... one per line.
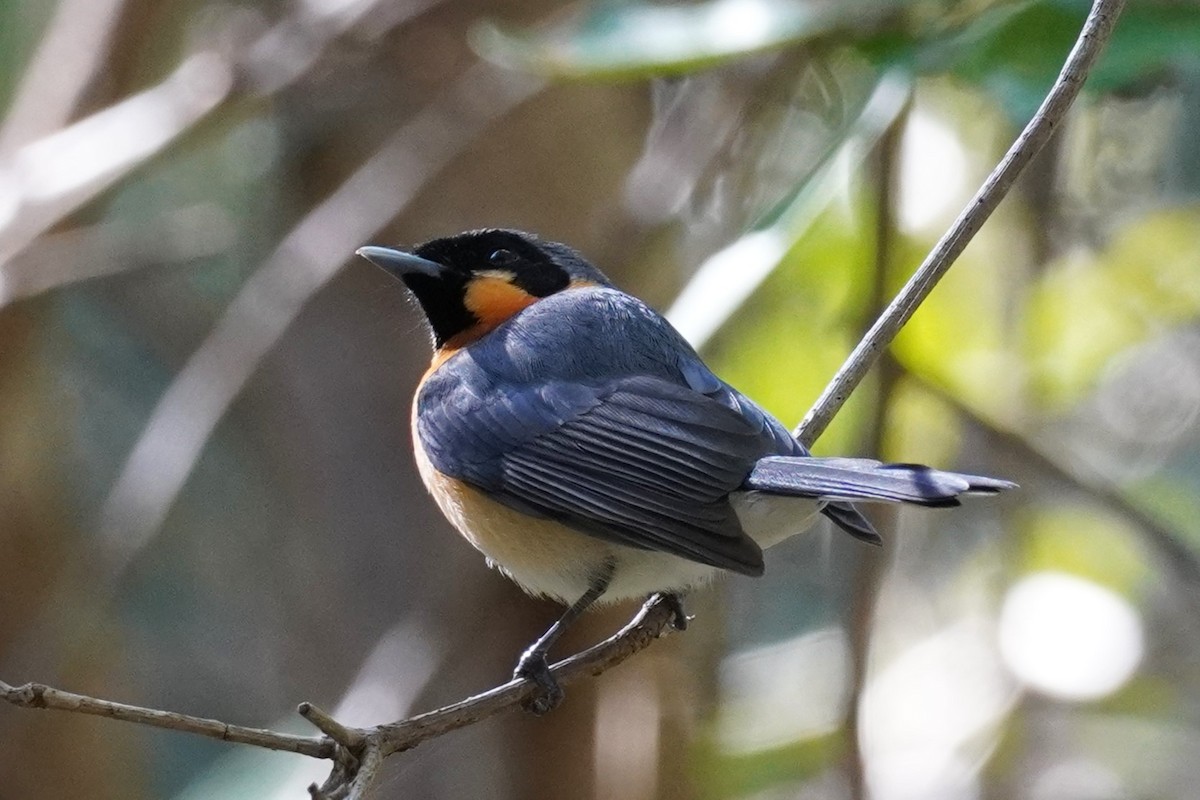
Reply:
x=1095, y=33
x=347, y=737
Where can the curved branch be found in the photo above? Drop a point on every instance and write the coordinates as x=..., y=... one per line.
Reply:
x=358, y=752
x=1096, y=31
x=655, y=617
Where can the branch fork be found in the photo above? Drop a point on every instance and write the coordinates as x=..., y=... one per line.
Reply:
x=358, y=753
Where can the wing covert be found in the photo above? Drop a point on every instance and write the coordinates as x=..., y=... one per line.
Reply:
x=639, y=461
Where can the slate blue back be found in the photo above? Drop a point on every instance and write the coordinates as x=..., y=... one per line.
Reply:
x=589, y=408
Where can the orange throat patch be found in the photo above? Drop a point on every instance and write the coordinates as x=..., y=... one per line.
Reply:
x=492, y=300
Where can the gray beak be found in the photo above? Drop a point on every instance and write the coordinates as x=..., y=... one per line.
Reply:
x=400, y=264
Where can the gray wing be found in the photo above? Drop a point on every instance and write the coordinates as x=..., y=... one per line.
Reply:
x=640, y=461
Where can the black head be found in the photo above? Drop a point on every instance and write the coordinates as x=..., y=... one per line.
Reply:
x=470, y=283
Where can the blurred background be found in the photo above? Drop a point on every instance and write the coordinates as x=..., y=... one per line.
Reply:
x=207, y=496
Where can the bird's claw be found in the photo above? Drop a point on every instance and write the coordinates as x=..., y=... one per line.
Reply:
x=679, y=617
x=547, y=694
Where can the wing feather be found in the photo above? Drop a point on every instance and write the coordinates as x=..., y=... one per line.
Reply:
x=640, y=461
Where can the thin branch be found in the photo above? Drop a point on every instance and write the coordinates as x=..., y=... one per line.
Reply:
x=654, y=618
x=60, y=172
x=358, y=752
x=68, y=58
x=347, y=737
x=368, y=771
x=309, y=255
x=1096, y=31
x=36, y=695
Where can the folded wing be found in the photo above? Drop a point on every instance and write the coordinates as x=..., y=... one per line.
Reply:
x=639, y=461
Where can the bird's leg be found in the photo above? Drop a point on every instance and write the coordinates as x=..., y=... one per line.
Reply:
x=533, y=665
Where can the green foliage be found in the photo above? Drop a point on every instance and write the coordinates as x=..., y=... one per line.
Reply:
x=1014, y=50
x=637, y=40
x=20, y=25
x=1084, y=542
x=1089, y=306
x=791, y=336
x=720, y=774
x=1173, y=499
x=1020, y=57
x=919, y=427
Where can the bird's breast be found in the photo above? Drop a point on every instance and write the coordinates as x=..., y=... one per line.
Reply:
x=544, y=557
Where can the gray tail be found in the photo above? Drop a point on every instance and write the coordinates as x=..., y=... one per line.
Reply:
x=845, y=480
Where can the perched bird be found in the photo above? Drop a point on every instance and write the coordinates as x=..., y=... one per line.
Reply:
x=572, y=436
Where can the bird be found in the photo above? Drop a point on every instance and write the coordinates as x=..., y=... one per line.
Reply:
x=573, y=436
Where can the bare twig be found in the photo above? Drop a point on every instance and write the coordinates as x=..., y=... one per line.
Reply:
x=368, y=771
x=347, y=737
x=59, y=172
x=366, y=747
x=654, y=618
x=67, y=60
x=36, y=695
x=1096, y=30
x=308, y=256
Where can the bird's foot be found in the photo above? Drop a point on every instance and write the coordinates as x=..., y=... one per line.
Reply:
x=679, y=617
x=546, y=694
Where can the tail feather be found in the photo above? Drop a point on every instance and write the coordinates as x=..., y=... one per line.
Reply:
x=843, y=480
x=851, y=520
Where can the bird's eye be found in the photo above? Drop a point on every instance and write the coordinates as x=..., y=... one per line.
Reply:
x=502, y=258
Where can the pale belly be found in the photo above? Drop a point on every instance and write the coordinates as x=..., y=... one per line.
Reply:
x=548, y=559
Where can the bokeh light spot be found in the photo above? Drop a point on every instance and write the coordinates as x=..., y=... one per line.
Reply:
x=1068, y=637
